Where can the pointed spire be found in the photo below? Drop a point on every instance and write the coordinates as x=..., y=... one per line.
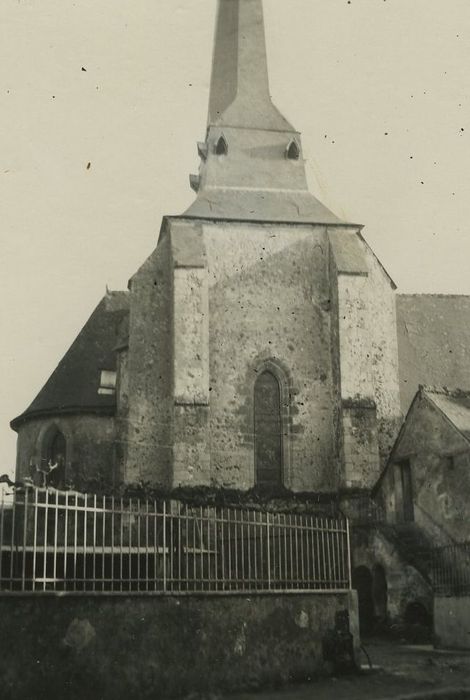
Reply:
x=239, y=93
x=252, y=166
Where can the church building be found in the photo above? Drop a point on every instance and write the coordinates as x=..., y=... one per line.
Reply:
x=256, y=345
x=262, y=344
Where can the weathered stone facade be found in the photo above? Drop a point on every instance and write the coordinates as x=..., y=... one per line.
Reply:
x=438, y=455
x=90, y=448
x=218, y=302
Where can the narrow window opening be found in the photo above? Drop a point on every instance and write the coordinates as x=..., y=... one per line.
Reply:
x=53, y=471
x=221, y=148
x=293, y=150
x=268, y=431
x=107, y=382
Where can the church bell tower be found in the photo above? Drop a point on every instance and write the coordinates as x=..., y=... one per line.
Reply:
x=262, y=340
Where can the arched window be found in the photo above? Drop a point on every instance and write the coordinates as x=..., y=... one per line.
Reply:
x=56, y=455
x=221, y=147
x=293, y=150
x=268, y=431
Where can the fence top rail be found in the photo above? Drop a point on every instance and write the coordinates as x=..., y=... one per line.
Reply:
x=51, y=497
x=456, y=546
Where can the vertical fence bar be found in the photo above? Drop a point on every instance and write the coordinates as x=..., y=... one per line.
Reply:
x=113, y=507
x=129, y=564
x=323, y=551
x=44, y=567
x=2, y=520
x=194, y=579
x=268, y=549
x=25, y=533
x=235, y=545
x=276, y=551
x=201, y=547
x=95, y=515
x=312, y=568
x=328, y=550
x=56, y=527
x=121, y=544
x=256, y=531
x=229, y=549
x=164, y=548
x=35, y=535
x=222, y=548
x=296, y=549
x=12, y=544
x=66, y=533
x=155, y=545
x=147, y=544
x=139, y=524
x=209, y=549
x=103, y=546
x=186, y=548
x=85, y=533
x=349, y=554
x=179, y=550
x=302, y=549
x=75, y=535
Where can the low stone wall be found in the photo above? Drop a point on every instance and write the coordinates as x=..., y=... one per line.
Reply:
x=158, y=647
x=452, y=622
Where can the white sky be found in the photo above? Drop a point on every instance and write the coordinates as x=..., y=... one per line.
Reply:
x=345, y=74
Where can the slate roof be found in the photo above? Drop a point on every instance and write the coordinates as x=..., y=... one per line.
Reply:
x=454, y=404
x=73, y=386
x=433, y=342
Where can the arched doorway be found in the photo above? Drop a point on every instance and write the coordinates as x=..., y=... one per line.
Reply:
x=268, y=431
x=362, y=582
x=417, y=614
x=56, y=455
x=380, y=593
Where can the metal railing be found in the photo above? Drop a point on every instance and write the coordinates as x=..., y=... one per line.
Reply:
x=449, y=569
x=73, y=542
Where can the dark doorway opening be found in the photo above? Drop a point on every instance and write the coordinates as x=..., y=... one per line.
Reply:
x=362, y=581
x=380, y=594
x=417, y=614
x=268, y=431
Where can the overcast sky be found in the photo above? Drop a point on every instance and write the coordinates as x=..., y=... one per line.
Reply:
x=379, y=89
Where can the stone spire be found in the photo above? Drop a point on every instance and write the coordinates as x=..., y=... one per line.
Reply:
x=239, y=93
x=251, y=161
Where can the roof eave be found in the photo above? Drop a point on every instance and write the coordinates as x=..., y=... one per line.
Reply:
x=20, y=420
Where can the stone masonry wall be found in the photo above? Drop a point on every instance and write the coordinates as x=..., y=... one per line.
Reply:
x=269, y=301
x=367, y=358
x=90, y=441
x=149, y=367
x=163, y=647
x=440, y=487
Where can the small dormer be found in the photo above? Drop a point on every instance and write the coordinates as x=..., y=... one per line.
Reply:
x=221, y=147
x=195, y=182
x=293, y=150
x=202, y=149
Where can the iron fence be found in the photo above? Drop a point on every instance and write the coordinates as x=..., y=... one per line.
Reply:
x=72, y=542
x=449, y=569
